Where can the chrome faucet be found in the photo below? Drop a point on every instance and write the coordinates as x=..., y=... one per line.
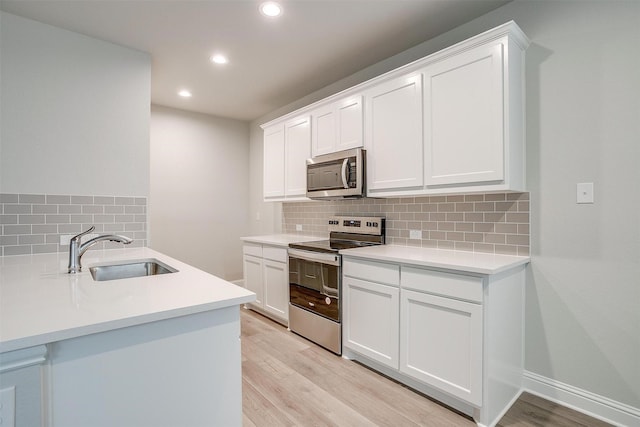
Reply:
x=77, y=248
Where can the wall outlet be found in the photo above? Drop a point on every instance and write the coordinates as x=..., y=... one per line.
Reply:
x=415, y=234
x=298, y=227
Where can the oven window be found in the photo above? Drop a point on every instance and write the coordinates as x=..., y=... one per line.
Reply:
x=317, y=276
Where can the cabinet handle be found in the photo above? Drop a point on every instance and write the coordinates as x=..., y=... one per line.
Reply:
x=311, y=304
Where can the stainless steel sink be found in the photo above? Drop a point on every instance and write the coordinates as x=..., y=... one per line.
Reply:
x=129, y=269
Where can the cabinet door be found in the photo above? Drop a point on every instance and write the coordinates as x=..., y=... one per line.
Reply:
x=464, y=140
x=393, y=123
x=276, y=288
x=273, y=172
x=323, y=125
x=298, y=150
x=349, y=123
x=252, y=267
x=441, y=343
x=23, y=391
x=370, y=320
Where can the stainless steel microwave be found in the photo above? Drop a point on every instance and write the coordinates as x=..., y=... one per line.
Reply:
x=338, y=175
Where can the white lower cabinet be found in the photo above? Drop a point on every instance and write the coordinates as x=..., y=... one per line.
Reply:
x=370, y=319
x=184, y=371
x=441, y=343
x=23, y=398
x=276, y=293
x=253, y=276
x=453, y=335
x=266, y=274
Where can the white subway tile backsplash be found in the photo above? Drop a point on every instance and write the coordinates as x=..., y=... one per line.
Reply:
x=10, y=229
x=31, y=219
x=9, y=198
x=8, y=219
x=125, y=200
x=31, y=239
x=53, y=199
x=115, y=209
x=69, y=209
x=44, y=249
x=8, y=240
x=102, y=200
x=33, y=223
x=17, y=209
x=17, y=250
x=92, y=209
x=492, y=222
x=31, y=198
x=44, y=209
x=58, y=219
x=82, y=200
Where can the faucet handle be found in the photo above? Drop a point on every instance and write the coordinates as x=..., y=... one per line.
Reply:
x=77, y=237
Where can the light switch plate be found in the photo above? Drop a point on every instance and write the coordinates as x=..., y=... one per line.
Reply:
x=298, y=227
x=584, y=192
x=415, y=234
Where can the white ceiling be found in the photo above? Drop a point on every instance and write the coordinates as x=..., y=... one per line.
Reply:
x=272, y=61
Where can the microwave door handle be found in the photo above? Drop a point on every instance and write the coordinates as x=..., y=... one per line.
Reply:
x=345, y=164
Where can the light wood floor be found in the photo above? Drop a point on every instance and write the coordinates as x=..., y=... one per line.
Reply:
x=289, y=381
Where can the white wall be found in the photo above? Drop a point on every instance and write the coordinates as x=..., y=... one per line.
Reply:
x=199, y=199
x=583, y=110
x=74, y=113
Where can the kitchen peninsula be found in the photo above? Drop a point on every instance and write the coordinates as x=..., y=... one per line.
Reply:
x=159, y=350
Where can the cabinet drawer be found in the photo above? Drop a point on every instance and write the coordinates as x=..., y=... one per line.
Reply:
x=254, y=249
x=275, y=254
x=448, y=284
x=373, y=271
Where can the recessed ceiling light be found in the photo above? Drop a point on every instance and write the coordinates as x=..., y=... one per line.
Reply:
x=219, y=59
x=185, y=93
x=271, y=9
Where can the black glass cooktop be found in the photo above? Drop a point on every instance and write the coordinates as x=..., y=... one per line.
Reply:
x=329, y=246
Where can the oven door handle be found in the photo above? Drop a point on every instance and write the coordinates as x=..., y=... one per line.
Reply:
x=330, y=259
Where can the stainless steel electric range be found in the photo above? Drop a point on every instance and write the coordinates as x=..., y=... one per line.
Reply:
x=315, y=276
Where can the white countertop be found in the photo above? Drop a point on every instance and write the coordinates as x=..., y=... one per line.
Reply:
x=470, y=262
x=40, y=303
x=282, y=240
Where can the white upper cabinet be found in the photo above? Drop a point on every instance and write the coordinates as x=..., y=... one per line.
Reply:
x=298, y=149
x=463, y=107
x=448, y=123
x=393, y=134
x=474, y=115
x=287, y=146
x=273, y=177
x=337, y=126
x=323, y=139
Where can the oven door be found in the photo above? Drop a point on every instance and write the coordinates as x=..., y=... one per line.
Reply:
x=314, y=282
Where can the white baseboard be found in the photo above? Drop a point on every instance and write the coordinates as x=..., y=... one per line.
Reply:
x=594, y=405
